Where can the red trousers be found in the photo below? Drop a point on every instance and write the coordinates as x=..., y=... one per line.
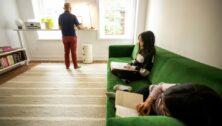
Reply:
x=70, y=44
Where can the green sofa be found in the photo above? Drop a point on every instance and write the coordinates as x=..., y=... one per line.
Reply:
x=168, y=67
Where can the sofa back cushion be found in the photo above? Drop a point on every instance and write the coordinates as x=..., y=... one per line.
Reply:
x=135, y=51
x=173, y=68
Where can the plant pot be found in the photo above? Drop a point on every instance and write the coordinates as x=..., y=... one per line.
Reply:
x=48, y=25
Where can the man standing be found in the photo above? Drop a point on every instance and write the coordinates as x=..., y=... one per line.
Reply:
x=67, y=23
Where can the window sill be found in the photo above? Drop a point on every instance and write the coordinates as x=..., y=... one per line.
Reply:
x=49, y=39
x=114, y=38
x=52, y=30
x=53, y=34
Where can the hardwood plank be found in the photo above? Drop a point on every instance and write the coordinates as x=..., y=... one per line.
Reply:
x=47, y=121
x=54, y=100
x=80, y=91
x=15, y=72
x=30, y=84
x=52, y=111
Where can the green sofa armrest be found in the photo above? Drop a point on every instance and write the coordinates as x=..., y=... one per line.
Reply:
x=120, y=50
x=145, y=121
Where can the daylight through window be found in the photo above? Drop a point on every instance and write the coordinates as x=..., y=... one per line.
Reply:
x=115, y=18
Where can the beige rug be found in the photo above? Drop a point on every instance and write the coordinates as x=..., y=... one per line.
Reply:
x=50, y=95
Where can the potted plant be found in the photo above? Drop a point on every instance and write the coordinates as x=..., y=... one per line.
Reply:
x=49, y=23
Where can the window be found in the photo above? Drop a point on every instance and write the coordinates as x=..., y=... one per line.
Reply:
x=116, y=18
x=48, y=8
x=84, y=10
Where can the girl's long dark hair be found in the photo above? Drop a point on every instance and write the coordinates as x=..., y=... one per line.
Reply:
x=149, y=42
x=194, y=104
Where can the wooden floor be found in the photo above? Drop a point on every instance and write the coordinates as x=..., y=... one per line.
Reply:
x=46, y=94
x=15, y=72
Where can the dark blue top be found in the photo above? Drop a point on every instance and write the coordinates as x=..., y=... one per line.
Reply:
x=67, y=22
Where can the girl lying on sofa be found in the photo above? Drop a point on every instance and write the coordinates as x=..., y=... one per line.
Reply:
x=144, y=60
x=193, y=104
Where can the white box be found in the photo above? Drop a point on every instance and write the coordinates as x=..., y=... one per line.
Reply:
x=32, y=25
x=87, y=53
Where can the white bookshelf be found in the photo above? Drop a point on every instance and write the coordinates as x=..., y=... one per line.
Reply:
x=22, y=61
x=12, y=66
x=11, y=52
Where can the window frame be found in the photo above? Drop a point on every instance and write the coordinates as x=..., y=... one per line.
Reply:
x=130, y=17
x=38, y=5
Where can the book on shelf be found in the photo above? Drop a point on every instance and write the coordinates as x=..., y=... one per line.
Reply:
x=125, y=103
x=10, y=60
x=1, y=63
x=1, y=66
x=4, y=62
x=21, y=55
x=15, y=57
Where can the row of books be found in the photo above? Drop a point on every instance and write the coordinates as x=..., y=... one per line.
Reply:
x=11, y=59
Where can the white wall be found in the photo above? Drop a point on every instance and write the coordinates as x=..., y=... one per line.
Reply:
x=8, y=17
x=192, y=28
x=53, y=49
x=140, y=18
x=3, y=36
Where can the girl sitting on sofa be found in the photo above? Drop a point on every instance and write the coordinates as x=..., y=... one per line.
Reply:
x=144, y=60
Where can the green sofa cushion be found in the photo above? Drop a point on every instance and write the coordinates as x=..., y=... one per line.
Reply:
x=172, y=68
x=110, y=110
x=145, y=121
x=135, y=51
x=120, y=50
